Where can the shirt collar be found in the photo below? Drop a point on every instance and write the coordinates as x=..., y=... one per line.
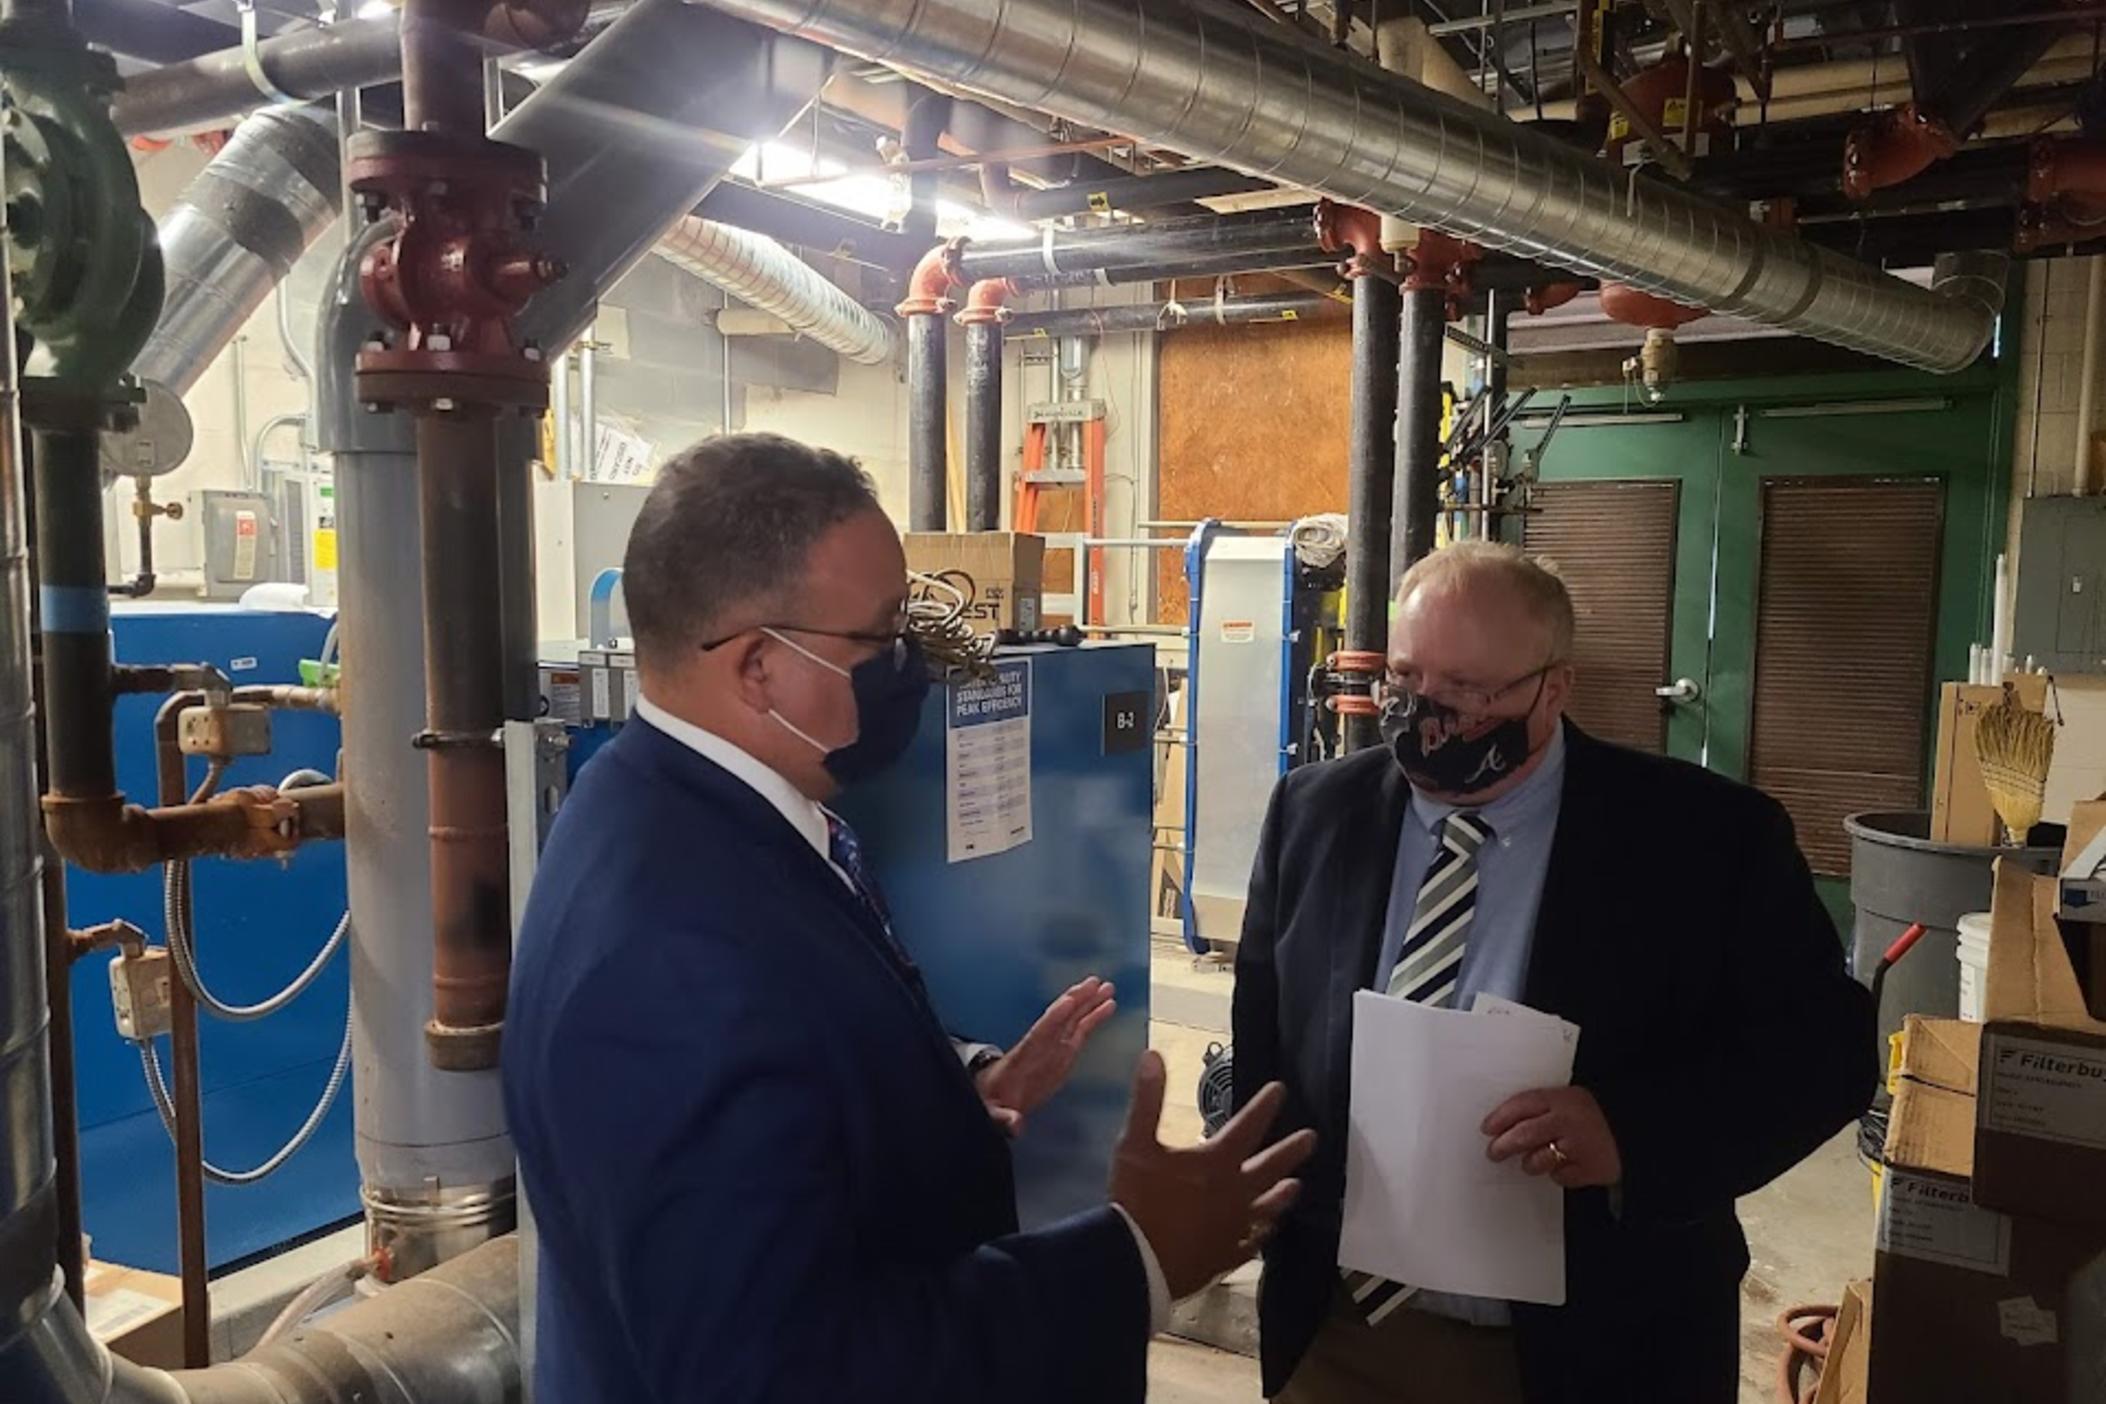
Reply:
x=1533, y=797
x=802, y=812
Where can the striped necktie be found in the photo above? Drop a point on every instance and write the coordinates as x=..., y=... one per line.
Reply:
x=845, y=851
x=1429, y=962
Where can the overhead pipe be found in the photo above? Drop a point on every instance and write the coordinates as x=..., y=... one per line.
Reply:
x=1356, y=235
x=984, y=313
x=1128, y=193
x=213, y=89
x=1173, y=314
x=234, y=234
x=764, y=275
x=925, y=310
x=1156, y=243
x=1193, y=81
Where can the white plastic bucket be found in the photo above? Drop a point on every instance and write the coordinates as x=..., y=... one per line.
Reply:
x=1974, y=964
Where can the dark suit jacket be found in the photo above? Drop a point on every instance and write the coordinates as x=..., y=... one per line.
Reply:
x=759, y=1170
x=1680, y=930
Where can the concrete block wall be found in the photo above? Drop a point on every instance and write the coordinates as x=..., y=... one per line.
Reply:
x=2045, y=444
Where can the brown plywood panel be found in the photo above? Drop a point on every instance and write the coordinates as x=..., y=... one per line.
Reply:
x=1844, y=624
x=1252, y=427
x=1614, y=544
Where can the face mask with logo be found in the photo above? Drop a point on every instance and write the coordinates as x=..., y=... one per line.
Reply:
x=1447, y=753
x=889, y=687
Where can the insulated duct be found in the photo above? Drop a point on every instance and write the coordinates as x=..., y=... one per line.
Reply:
x=763, y=274
x=1218, y=89
x=236, y=231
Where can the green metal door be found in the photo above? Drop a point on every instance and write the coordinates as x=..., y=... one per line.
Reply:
x=1607, y=479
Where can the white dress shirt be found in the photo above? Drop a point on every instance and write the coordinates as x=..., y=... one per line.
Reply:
x=809, y=818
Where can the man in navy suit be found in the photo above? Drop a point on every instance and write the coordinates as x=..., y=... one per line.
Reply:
x=760, y=1168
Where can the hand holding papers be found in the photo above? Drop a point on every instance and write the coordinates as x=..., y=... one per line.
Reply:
x=1423, y=1204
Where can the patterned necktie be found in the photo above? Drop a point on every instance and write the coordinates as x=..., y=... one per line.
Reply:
x=846, y=851
x=1429, y=962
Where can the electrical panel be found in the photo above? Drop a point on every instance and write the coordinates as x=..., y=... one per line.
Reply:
x=2060, y=622
x=241, y=541
x=140, y=993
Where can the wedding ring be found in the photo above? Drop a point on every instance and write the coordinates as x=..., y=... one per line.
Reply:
x=1557, y=1155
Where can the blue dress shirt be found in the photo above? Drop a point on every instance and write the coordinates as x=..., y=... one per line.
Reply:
x=1510, y=872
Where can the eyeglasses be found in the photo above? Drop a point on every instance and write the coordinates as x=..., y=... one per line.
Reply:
x=897, y=640
x=1407, y=687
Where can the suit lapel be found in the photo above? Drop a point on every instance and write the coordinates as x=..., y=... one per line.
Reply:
x=1362, y=862
x=1580, y=853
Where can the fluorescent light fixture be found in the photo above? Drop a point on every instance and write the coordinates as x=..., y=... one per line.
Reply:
x=375, y=9
x=869, y=194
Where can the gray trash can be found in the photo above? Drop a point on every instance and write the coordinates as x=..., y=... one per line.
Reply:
x=1898, y=877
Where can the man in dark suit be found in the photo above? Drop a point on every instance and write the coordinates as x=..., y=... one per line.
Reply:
x=760, y=1169
x=1492, y=847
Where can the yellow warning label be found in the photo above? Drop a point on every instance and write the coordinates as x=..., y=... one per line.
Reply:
x=325, y=548
x=1673, y=114
x=1100, y=203
x=1619, y=126
x=1289, y=314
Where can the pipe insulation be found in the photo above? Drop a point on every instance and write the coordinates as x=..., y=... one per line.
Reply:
x=769, y=278
x=236, y=231
x=1217, y=89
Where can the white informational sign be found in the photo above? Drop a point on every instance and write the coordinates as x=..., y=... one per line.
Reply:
x=987, y=763
x=619, y=456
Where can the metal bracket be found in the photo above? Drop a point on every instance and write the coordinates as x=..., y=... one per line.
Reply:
x=1056, y=477
x=1064, y=411
x=252, y=61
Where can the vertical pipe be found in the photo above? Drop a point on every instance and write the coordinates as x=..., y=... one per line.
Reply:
x=2088, y=379
x=442, y=66
x=983, y=425
x=724, y=350
x=921, y=133
x=75, y=607
x=517, y=444
x=559, y=416
x=1498, y=307
x=1418, y=477
x=927, y=448
x=1370, y=478
x=464, y=710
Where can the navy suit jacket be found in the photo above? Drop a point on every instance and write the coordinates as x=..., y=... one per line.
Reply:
x=758, y=1168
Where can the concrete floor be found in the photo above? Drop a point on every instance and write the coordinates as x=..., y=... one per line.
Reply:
x=1808, y=1233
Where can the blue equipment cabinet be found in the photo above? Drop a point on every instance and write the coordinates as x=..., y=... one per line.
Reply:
x=258, y=925
x=998, y=937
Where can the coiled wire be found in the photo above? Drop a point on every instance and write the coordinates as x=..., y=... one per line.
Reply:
x=182, y=949
x=936, y=619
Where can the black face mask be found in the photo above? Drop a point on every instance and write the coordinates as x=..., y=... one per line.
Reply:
x=1442, y=751
x=889, y=687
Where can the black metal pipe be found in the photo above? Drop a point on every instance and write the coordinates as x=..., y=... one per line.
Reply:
x=983, y=426
x=928, y=450
x=1161, y=242
x=1171, y=315
x=75, y=613
x=1418, y=474
x=1370, y=478
x=1275, y=261
x=921, y=136
x=810, y=225
x=216, y=87
x=1134, y=192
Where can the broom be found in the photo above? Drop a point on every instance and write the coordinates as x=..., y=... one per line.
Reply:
x=2015, y=746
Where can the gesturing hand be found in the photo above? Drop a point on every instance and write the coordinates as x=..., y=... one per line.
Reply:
x=1204, y=1209
x=1559, y=1132
x=1021, y=1080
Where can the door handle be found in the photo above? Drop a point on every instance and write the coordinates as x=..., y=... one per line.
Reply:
x=1682, y=691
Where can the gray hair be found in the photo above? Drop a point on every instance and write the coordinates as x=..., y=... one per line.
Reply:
x=725, y=533
x=1533, y=579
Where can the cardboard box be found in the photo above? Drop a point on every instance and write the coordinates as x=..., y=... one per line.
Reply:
x=1845, y=1376
x=1002, y=574
x=1960, y=807
x=2040, y=1139
x=137, y=1314
x=1975, y=1306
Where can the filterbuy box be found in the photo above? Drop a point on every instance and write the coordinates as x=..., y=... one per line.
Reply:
x=1974, y=1306
x=2040, y=1133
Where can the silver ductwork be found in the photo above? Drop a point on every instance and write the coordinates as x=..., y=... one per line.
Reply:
x=1216, y=88
x=235, y=233
x=766, y=276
